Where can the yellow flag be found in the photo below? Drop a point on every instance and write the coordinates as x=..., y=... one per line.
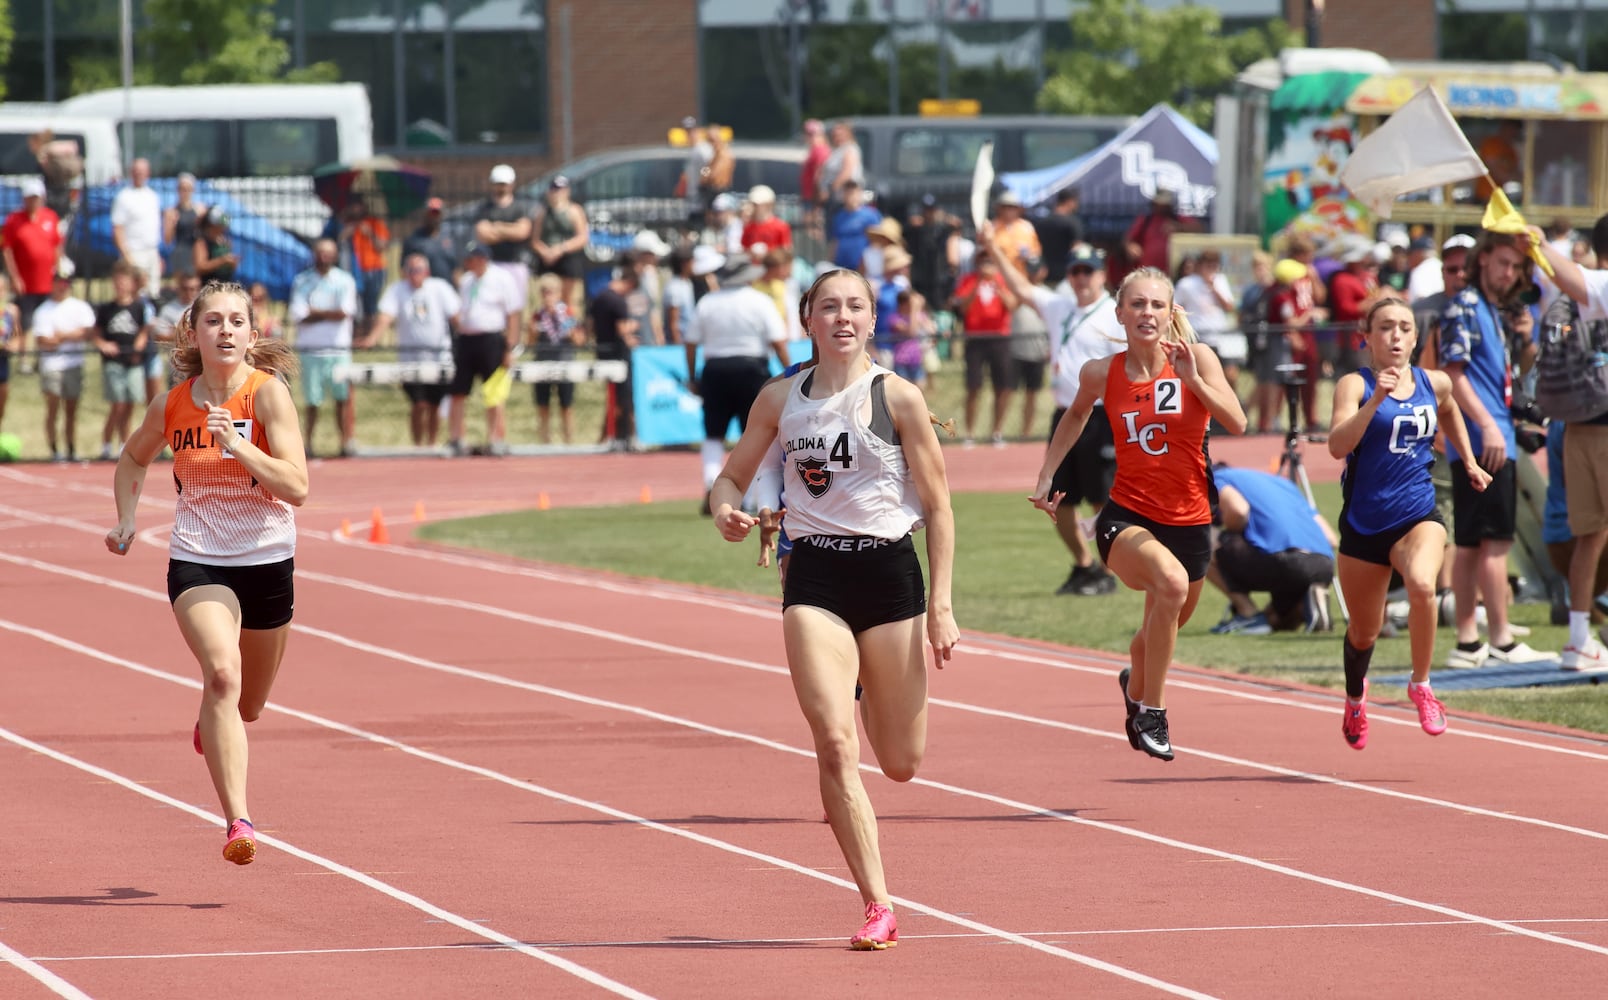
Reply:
x=1502, y=217
x=497, y=386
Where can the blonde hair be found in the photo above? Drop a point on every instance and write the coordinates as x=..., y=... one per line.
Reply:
x=1179, y=330
x=549, y=283
x=270, y=355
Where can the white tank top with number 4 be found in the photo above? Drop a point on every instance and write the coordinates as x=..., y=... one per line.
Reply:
x=842, y=477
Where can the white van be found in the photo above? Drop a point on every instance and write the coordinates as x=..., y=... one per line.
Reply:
x=259, y=142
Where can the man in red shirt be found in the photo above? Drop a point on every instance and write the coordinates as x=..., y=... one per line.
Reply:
x=1349, y=291
x=764, y=226
x=32, y=242
x=809, y=175
x=984, y=302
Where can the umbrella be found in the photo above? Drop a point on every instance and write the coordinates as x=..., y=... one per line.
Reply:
x=391, y=188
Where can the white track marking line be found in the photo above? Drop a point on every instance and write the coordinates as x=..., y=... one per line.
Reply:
x=829, y=939
x=974, y=645
x=704, y=656
x=1465, y=729
x=406, y=898
x=553, y=794
x=32, y=969
x=957, y=790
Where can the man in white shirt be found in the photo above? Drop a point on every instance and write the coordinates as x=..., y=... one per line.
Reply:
x=323, y=303
x=738, y=326
x=1585, y=455
x=1083, y=327
x=1425, y=278
x=424, y=310
x=488, y=330
x=62, y=327
x=1209, y=302
x=137, y=225
x=188, y=287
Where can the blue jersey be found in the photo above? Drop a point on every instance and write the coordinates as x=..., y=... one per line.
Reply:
x=1471, y=335
x=1386, y=483
x=1280, y=518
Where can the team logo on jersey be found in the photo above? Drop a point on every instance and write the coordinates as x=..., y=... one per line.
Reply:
x=817, y=478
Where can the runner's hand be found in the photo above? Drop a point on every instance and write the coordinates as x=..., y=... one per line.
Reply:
x=943, y=634
x=1477, y=477
x=770, y=522
x=119, y=539
x=1385, y=383
x=733, y=525
x=1047, y=502
x=220, y=424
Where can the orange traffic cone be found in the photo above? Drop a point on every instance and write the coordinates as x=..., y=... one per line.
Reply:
x=377, y=532
x=542, y=503
x=647, y=494
x=418, y=510
x=1273, y=464
x=346, y=528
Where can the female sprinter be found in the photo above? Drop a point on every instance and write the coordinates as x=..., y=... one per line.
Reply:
x=239, y=465
x=1383, y=425
x=862, y=471
x=1155, y=531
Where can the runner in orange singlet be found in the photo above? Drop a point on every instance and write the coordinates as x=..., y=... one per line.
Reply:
x=1155, y=531
x=239, y=467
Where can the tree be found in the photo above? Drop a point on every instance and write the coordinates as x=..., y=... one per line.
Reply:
x=1127, y=57
x=184, y=42
x=6, y=35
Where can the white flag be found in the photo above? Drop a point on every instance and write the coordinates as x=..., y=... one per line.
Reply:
x=1420, y=146
x=982, y=184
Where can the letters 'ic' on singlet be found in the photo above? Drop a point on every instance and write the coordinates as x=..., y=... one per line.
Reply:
x=1159, y=429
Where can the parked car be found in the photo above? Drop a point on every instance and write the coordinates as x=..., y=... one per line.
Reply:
x=627, y=190
x=908, y=156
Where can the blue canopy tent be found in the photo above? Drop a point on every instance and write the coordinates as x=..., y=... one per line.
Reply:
x=1161, y=151
x=267, y=253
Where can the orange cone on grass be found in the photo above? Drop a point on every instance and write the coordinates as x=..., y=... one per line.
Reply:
x=377, y=531
x=647, y=494
x=542, y=502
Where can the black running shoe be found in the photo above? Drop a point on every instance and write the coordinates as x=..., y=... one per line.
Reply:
x=1151, y=731
x=1076, y=580
x=1132, y=707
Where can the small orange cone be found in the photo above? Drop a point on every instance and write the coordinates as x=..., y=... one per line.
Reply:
x=418, y=510
x=377, y=532
x=346, y=528
x=542, y=503
x=1273, y=464
x=647, y=495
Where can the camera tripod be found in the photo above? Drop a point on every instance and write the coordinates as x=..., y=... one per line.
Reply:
x=1290, y=462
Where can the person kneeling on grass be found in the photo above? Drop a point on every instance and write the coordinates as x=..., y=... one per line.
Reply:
x=1271, y=540
x=1384, y=423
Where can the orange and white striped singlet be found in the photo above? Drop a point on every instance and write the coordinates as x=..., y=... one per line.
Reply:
x=224, y=516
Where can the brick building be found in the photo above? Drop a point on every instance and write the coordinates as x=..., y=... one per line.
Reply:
x=1396, y=29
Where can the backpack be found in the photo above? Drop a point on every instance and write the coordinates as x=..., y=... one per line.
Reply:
x=1571, y=367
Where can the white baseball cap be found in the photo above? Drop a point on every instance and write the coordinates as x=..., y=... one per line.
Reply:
x=762, y=194
x=502, y=173
x=32, y=187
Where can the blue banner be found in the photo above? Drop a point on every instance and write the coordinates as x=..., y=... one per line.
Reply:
x=666, y=410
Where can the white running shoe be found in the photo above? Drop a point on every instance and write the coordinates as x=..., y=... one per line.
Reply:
x=1592, y=659
x=1521, y=653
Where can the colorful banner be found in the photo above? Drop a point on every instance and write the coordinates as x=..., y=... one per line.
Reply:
x=1576, y=97
x=667, y=413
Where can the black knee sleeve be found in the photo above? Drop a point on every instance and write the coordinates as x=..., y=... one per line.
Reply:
x=1356, y=665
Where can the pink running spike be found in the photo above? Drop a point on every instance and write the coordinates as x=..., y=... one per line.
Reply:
x=881, y=930
x=1354, y=725
x=241, y=847
x=1431, y=713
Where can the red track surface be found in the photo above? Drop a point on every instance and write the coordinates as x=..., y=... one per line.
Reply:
x=480, y=778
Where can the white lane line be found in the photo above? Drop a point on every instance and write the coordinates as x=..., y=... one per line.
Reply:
x=833, y=939
x=406, y=898
x=983, y=645
x=704, y=656
x=557, y=796
x=32, y=969
x=957, y=790
x=712, y=657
